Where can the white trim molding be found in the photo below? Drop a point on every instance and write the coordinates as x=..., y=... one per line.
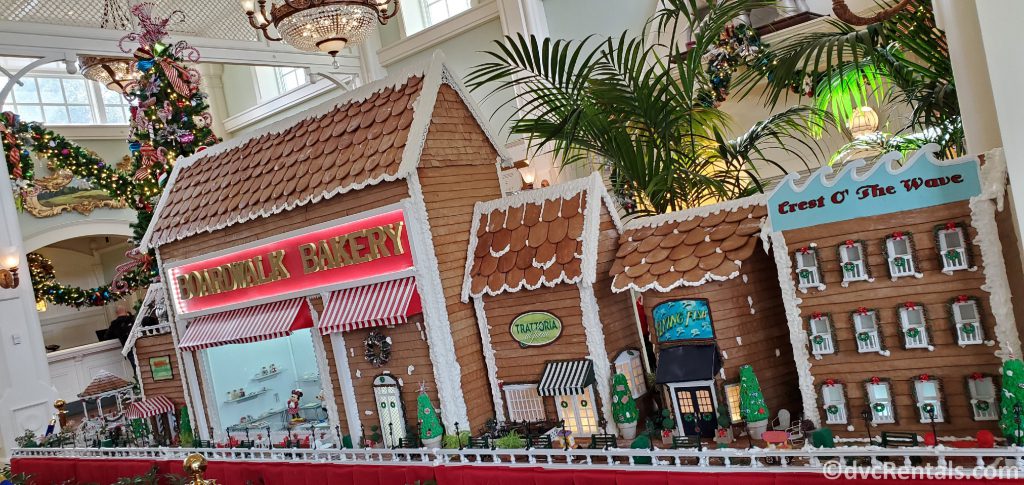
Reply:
x=309, y=91
x=438, y=33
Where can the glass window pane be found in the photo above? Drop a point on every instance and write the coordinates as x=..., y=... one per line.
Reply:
x=27, y=92
x=30, y=112
x=900, y=247
x=50, y=91
x=914, y=317
x=75, y=91
x=880, y=392
x=968, y=311
x=111, y=98
x=952, y=239
x=927, y=390
x=437, y=12
x=115, y=115
x=55, y=114
x=852, y=253
x=80, y=114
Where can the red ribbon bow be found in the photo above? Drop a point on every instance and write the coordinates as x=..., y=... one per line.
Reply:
x=816, y=315
x=910, y=305
x=862, y=310
x=923, y=377
x=950, y=226
x=830, y=382
x=976, y=376
x=850, y=243
x=897, y=235
x=962, y=298
x=804, y=250
x=875, y=380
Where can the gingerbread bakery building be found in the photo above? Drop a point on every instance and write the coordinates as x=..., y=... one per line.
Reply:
x=553, y=333
x=711, y=297
x=896, y=293
x=325, y=255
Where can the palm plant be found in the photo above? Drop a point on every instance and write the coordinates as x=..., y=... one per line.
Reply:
x=637, y=107
x=902, y=59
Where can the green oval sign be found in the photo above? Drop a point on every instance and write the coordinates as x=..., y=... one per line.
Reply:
x=533, y=329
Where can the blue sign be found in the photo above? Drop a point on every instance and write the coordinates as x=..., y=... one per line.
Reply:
x=683, y=320
x=885, y=188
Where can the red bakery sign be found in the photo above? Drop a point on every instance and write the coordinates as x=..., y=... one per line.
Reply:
x=292, y=265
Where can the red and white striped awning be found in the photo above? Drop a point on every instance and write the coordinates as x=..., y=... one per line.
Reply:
x=149, y=407
x=252, y=324
x=386, y=303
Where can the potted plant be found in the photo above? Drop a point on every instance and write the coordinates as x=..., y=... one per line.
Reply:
x=667, y=426
x=624, y=407
x=724, y=434
x=431, y=431
x=752, y=406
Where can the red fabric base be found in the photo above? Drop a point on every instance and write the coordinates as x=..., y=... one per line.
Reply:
x=48, y=471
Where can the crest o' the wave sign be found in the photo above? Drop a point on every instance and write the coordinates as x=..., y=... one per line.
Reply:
x=883, y=188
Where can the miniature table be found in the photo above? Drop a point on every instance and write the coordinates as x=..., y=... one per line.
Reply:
x=776, y=438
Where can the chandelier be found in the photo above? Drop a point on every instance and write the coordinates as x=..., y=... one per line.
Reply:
x=116, y=73
x=319, y=25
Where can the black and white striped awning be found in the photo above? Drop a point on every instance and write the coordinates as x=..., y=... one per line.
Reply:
x=566, y=378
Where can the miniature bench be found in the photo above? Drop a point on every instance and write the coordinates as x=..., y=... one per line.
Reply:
x=683, y=442
x=540, y=441
x=413, y=442
x=481, y=443
x=891, y=439
x=603, y=441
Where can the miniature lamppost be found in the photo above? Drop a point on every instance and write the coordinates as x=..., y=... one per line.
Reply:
x=362, y=435
x=696, y=427
x=270, y=439
x=337, y=431
x=391, y=434
x=866, y=415
x=458, y=435
x=604, y=425
x=565, y=437
x=930, y=409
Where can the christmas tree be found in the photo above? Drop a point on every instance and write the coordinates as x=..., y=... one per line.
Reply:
x=185, y=436
x=623, y=406
x=1012, y=398
x=752, y=405
x=430, y=425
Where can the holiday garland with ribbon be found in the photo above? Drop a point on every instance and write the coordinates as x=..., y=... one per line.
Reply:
x=46, y=287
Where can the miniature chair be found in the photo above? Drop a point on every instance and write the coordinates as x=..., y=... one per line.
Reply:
x=781, y=421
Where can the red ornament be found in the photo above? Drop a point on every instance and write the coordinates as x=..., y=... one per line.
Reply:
x=977, y=376
x=850, y=243
x=760, y=410
x=876, y=380
x=950, y=226
x=898, y=235
x=923, y=377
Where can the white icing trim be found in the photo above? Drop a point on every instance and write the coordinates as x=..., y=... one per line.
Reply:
x=489, y=359
x=591, y=187
x=210, y=395
x=348, y=390
x=997, y=284
x=598, y=353
x=153, y=292
x=441, y=345
x=326, y=382
x=702, y=212
x=797, y=336
x=708, y=277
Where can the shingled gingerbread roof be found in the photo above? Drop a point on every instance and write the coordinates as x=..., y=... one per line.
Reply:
x=367, y=136
x=103, y=383
x=688, y=248
x=539, y=237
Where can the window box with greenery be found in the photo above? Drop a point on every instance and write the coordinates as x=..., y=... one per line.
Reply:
x=899, y=253
x=954, y=250
x=833, y=399
x=867, y=332
x=823, y=335
x=879, y=397
x=981, y=389
x=965, y=313
x=808, y=272
x=853, y=262
x=928, y=397
x=914, y=326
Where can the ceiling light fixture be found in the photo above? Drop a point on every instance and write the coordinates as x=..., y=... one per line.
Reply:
x=116, y=73
x=319, y=25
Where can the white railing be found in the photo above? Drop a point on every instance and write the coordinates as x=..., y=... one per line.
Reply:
x=707, y=460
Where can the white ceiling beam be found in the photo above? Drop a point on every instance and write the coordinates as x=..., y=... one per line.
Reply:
x=39, y=40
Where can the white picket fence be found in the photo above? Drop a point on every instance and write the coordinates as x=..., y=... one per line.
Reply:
x=708, y=460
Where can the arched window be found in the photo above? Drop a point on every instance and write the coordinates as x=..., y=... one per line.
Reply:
x=628, y=363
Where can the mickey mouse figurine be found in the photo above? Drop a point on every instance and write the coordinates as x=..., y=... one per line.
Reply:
x=293, y=407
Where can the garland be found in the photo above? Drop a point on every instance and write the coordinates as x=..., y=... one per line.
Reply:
x=739, y=45
x=46, y=288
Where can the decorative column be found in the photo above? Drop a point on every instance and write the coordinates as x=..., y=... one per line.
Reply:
x=26, y=395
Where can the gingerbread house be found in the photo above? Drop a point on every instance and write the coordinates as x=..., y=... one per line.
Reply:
x=553, y=333
x=896, y=292
x=324, y=255
x=712, y=302
x=151, y=346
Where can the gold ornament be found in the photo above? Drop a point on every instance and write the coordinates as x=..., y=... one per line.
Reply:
x=62, y=414
x=195, y=466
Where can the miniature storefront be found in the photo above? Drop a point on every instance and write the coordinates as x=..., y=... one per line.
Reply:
x=711, y=297
x=303, y=259
x=150, y=344
x=553, y=333
x=894, y=282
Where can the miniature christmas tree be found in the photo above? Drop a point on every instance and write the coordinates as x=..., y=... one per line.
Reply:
x=1012, y=402
x=430, y=425
x=623, y=406
x=751, y=400
x=185, y=436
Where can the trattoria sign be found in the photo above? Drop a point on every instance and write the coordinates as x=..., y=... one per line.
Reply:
x=921, y=182
x=533, y=329
x=293, y=265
